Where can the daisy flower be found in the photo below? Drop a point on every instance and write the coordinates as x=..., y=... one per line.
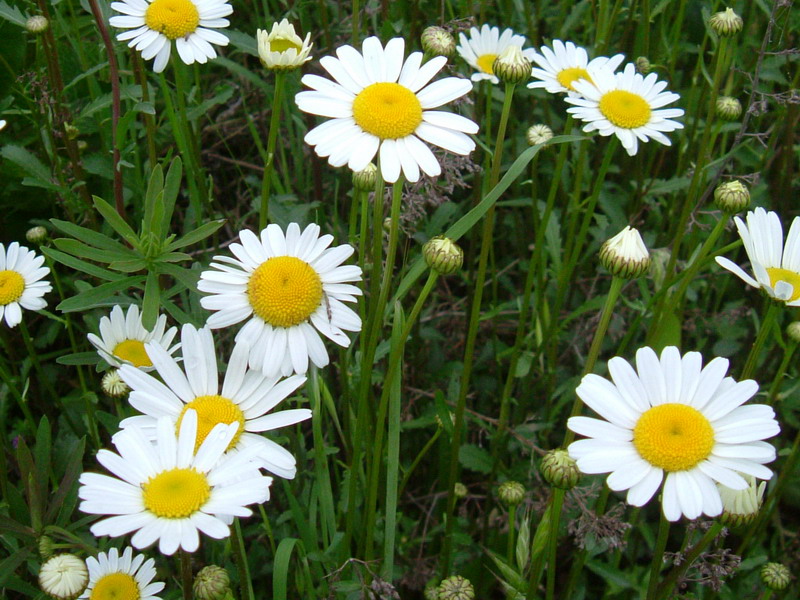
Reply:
x=20, y=287
x=671, y=421
x=281, y=48
x=113, y=577
x=565, y=64
x=123, y=337
x=166, y=492
x=245, y=399
x=63, y=576
x=627, y=105
x=483, y=46
x=776, y=267
x=154, y=24
x=2, y=124
x=381, y=104
x=291, y=287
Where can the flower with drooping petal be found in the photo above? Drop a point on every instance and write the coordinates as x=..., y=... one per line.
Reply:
x=121, y=577
x=776, y=266
x=154, y=24
x=246, y=398
x=564, y=64
x=673, y=421
x=21, y=287
x=483, y=46
x=166, y=492
x=291, y=287
x=382, y=104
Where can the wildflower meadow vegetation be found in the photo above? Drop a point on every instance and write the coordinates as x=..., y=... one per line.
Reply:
x=381, y=300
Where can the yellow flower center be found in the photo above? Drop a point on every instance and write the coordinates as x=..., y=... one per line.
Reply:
x=567, y=77
x=485, y=62
x=11, y=287
x=387, y=110
x=775, y=275
x=282, y=45
x=675, y=437
x=211, y=411
x=284, y=290
x=133, y=351
x=173, y=18
x=115, y=586
x=176, y=494
x=625, y=109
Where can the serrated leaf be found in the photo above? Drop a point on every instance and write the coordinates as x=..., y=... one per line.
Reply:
x=12, y=14
x=98, y=295
x=475, y=459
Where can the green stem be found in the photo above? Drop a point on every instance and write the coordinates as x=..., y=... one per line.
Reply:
x=266, y=181
x=322, y=473
x=425, y=449
x=775, y=386
x=763, y=333
x=512, y=529
x=240, y=556
x=672, y=577
x=6, y=378
x=580, y=560
x=552, y=541
x=186, y=575
x=658, y=556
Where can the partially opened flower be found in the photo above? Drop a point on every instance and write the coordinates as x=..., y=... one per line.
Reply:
x=154, y=24
x=166, y=492
x=291, y=287
x=63, y=576
x=281, y=48
x=382, y=104
x=776, y=266
x=627, y=105
x=21, y=287
x=673, y=421
x=246, y=399
x=123, y=337
x=483, y=46
x=566, y=63
x=125, y=577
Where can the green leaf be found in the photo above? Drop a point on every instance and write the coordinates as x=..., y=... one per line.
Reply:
x=12, y=14
x=172, y=257
x=89, y=236
x=27, y=161
x=128, y=266
x=172, y=186
x=186, y=277
x=155, y=188
x=281, y=570
x=81, y=250
x=79, y=358
x=151, y=302
x=98, y=296
x=41, y=456
x=117, y=223
x=475, y=459
x=10, y=564
x=201, y=233
x=202, y=109
x=80, y=265
x=69, y=482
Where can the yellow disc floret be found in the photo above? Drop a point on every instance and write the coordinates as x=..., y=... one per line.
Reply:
x=133, y=351
x=674, y=437
x=176, y=494
x=486, y=62
x=115, y=586
x=775, y=275
x=282, y=45
x=566, y=77
x=284, y=290
x=387, y=110
x=11, y=287
x=173, y=18
x=625, y=109
x=211, y=411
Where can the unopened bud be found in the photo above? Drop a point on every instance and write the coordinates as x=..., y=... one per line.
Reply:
x=538, y=134
x=37, y=24
x=732, y=197
x=625, y=254
x=63, y=576
x=46, y=547
x=432, y=590
x=443, y=255
x=560, y=470
x=211, y=583
x=36, y=235
x=643, y=65
x=775, y=576
x=511, y=493
x=511, y=66
x=365, y=180
x=71, y=131
x=456, y=587
x=437, y=41
x=728, y=108
x=726, y=23
x=740, y=507
x=793, y=331
x=460, y=490
x=113, y=385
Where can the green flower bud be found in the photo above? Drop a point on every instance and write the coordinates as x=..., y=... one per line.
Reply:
x=437, y=41
x=37, y=24
x=82, y=145
x=72, y=131
x=45, y=547
x=726, y=23
x=113, y=385
x=740, y=507
x=460, y=490
x=793, y=331
x=775, y=576
x=365, y=180
x=560, y=470
x=728, y=108
x=211, y=583
x=36, y=235
x=538, y=134
x=456, y=587
x=511, y=493
x=625, y=254
x=511, y=66
x=643, y=65
x=432, y=590
x=732, y=197
x=443, y=255
x=63, y=576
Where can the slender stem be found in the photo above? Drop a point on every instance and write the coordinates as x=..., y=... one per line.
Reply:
x=775, y=386
x=266, y=181
x=322, y=473
x=149, y=120
x=552, y=541
x=425, y=449
x=240, y=556
x=658, y=556
x=356, y=31
x=512, y=529
x=580, y=559
x=186, y=575
x=5, y=377
x=672, y=577
x=763, y=333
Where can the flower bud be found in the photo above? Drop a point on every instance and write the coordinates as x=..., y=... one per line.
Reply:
x=643, y=65
x=443, y=255
x=560, y=470
x=511, y=493
x=728, y=108
x=538, y=134
x=437, y=41
x=740, y=507
x=82, y=145
x=211, y=583
x=793, y=331
x=37, y=24
x=726, y=23
x=113, y=385
x=364, y=181
x=511, y=66
x=46, y=547
x=282, y=49
x=775, y=576
x=36, y=235
x=432, y=590
x=456, y=587
x=732, y=197
x=63, y=576
x=460, y=490
x=625, y=254
x=71, y=131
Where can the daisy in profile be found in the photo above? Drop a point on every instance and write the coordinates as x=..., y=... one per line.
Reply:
x=21, y=287
x=245, y=399
x=673, y=421
x=166, y=492
x=154, y=24
x=382, y=104
x=627, y=105
x=291, y=288
x=776, y=266
x=281, y=48
x=564, y=64
x=115, y=577
x=483, y=46
x=123, y=337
